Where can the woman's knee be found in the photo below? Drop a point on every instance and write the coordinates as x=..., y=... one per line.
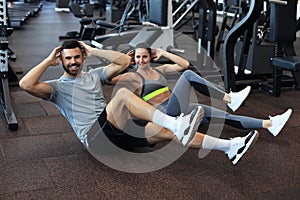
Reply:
x=188, y=73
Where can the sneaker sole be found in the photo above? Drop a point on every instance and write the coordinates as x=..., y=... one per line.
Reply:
x=194, y=126
x=251, y=138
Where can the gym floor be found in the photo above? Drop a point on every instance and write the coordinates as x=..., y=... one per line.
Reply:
x=43, y=159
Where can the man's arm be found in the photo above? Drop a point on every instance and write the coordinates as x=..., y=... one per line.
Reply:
x=119, y=61
x=30, y=82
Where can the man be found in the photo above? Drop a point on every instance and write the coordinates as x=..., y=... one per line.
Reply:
x=79, y=97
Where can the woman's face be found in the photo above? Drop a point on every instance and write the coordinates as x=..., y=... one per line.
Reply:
x=142, y=57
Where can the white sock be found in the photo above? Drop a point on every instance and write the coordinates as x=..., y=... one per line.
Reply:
x=164, y=120
x=212, y=143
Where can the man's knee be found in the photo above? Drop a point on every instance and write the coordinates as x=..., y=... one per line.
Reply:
x=123, y=93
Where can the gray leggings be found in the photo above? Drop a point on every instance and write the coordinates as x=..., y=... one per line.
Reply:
x=180, y=102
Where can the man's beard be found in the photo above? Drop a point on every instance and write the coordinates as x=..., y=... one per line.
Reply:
x=68, y=71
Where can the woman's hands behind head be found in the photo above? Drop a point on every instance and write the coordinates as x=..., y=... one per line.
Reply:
x=157, y=53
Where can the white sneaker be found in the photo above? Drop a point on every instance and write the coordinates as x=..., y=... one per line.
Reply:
x=279, y=121
x=240, y=145
x=187, y=125
x=237, y=98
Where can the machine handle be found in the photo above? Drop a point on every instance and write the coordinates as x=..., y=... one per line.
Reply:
x=279, y=2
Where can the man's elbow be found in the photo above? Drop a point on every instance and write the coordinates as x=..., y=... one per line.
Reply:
x=187, y=65
x=21, y=84
x=127, y=61
x=25, y=85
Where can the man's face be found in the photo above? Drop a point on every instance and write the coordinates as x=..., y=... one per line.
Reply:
x=72, y=60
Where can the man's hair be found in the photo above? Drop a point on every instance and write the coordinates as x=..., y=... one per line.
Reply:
x=72, y=44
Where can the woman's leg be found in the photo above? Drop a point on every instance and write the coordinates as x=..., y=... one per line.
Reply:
x=203, y=86
x=237, y=121
x=180, y=98
x=274, y=124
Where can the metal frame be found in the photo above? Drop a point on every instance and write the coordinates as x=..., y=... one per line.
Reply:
x=4, y=74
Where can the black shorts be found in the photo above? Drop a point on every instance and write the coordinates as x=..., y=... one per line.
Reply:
x=121, y=138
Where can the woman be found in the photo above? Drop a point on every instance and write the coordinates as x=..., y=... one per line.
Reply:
x=151, y=85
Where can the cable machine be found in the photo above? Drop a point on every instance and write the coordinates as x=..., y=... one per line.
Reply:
x=230, y=75
x=4, y=73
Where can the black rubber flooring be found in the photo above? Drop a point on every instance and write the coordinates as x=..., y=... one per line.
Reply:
x=43, y=159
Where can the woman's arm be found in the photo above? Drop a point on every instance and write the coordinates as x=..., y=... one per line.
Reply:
x=180, y=64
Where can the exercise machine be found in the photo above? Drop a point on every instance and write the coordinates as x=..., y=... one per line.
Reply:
x=206, y=22
x=158, y=32
x=5, y=100
x=268, y=75
x=232, y=72
x=133, y=8
x=238, y=10
x=118, y=29
x=207, y=27
x=22, y=12
x=62, y=6
x=125, y=29
x=88, y=27
x=185, y=8
x=285, y=58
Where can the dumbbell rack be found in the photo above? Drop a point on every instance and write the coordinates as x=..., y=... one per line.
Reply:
x=4, y=74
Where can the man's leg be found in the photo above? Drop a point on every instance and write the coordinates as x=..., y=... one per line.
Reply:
x=234, y=148
x=121, y=106
x=155, y=134
x=125, y=103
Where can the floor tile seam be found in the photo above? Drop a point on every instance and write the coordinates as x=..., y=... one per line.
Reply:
x=27, y=136
x=43, y=158
x=2, y=151
x=59, y=115
x=52, y=183
x=19, y=193
x=25, y=122
x=67, y=144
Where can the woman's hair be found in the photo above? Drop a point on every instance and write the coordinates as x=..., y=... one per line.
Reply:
x=144, y=46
